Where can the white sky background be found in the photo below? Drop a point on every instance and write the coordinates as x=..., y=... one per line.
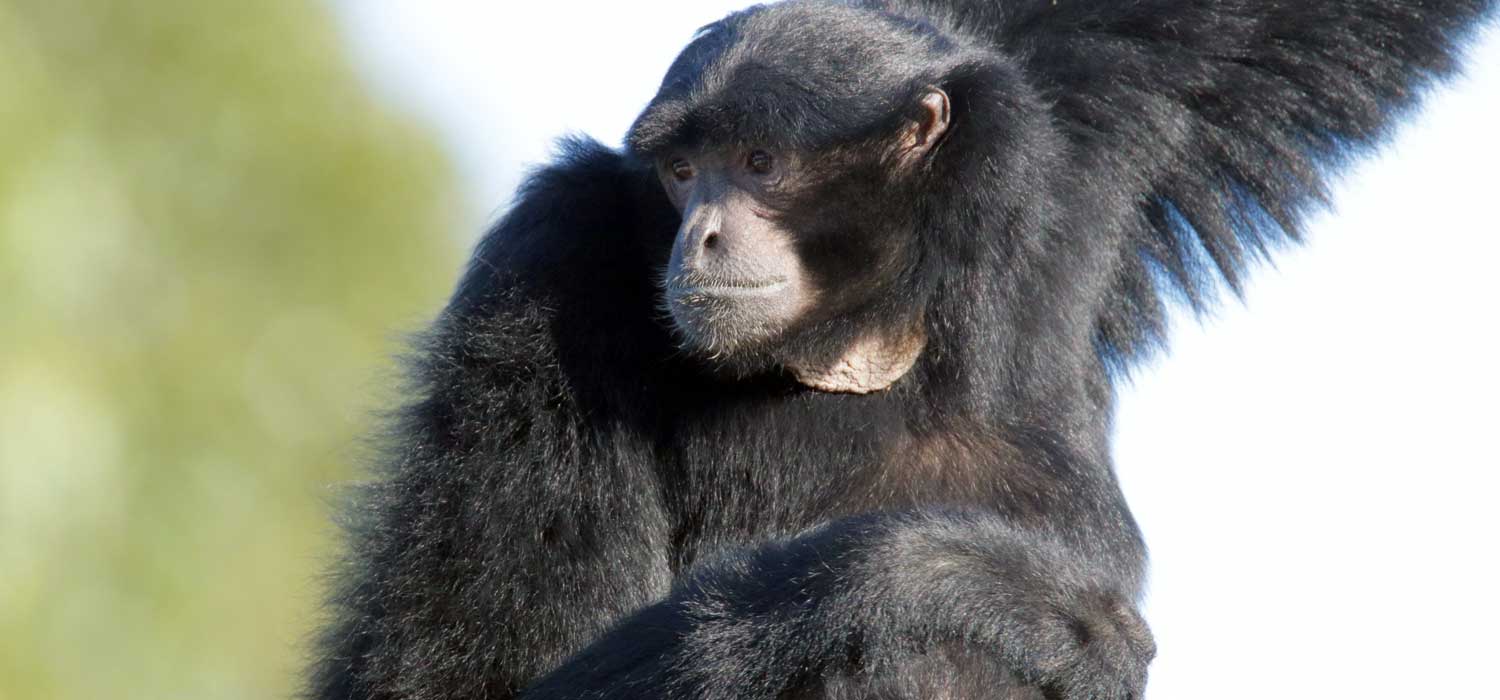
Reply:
x=1314, y=469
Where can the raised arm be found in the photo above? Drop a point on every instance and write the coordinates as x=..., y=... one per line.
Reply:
x=509, y=523
x=1217, y=122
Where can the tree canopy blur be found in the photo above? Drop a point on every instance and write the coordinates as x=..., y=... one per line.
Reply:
x=211, y=238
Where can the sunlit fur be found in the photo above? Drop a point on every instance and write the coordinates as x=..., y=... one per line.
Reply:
x=573, y=508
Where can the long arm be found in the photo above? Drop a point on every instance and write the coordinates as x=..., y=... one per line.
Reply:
x=512, y=523
x=926, y=604
x=1216, y=122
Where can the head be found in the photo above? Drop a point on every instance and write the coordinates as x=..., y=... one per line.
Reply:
x=797, y=142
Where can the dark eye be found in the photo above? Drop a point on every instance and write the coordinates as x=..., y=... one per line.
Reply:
x=759, y=162
x=681, y=169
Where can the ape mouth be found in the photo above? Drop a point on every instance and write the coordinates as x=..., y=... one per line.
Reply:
x=691, y=284
x=720, y=316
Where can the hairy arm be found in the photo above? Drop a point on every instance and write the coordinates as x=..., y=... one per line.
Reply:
x=515, y=518
x=929, y=604
x=1210, y=127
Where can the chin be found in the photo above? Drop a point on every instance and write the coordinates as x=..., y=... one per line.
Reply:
x=737, y=329
x=725, y=336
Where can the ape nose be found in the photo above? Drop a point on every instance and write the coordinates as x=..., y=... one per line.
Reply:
x=706, y=247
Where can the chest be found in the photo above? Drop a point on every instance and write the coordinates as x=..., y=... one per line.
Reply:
x=734, y=475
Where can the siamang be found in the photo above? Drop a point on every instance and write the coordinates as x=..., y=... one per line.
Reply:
x=806, y=391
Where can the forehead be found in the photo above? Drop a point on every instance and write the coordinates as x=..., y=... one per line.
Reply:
x=801, y=75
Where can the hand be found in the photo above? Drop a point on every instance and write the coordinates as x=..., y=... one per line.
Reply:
x=1098, y=650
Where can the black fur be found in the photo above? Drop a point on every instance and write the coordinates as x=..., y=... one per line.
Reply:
x=575, y=506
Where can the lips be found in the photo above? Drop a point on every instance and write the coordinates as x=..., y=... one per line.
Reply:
x=691, y=284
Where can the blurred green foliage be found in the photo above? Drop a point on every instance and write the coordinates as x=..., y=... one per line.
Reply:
x=210, y=238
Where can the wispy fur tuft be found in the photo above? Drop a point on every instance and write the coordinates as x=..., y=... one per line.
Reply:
x=1216, y=124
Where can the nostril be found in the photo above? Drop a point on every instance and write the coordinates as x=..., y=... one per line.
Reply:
x=711, y=241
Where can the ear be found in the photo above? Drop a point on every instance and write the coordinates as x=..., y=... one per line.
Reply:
x=927, y=127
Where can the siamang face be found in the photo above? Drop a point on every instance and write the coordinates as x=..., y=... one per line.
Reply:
x=735, y=278
x=773, y=240
x=797, y=141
